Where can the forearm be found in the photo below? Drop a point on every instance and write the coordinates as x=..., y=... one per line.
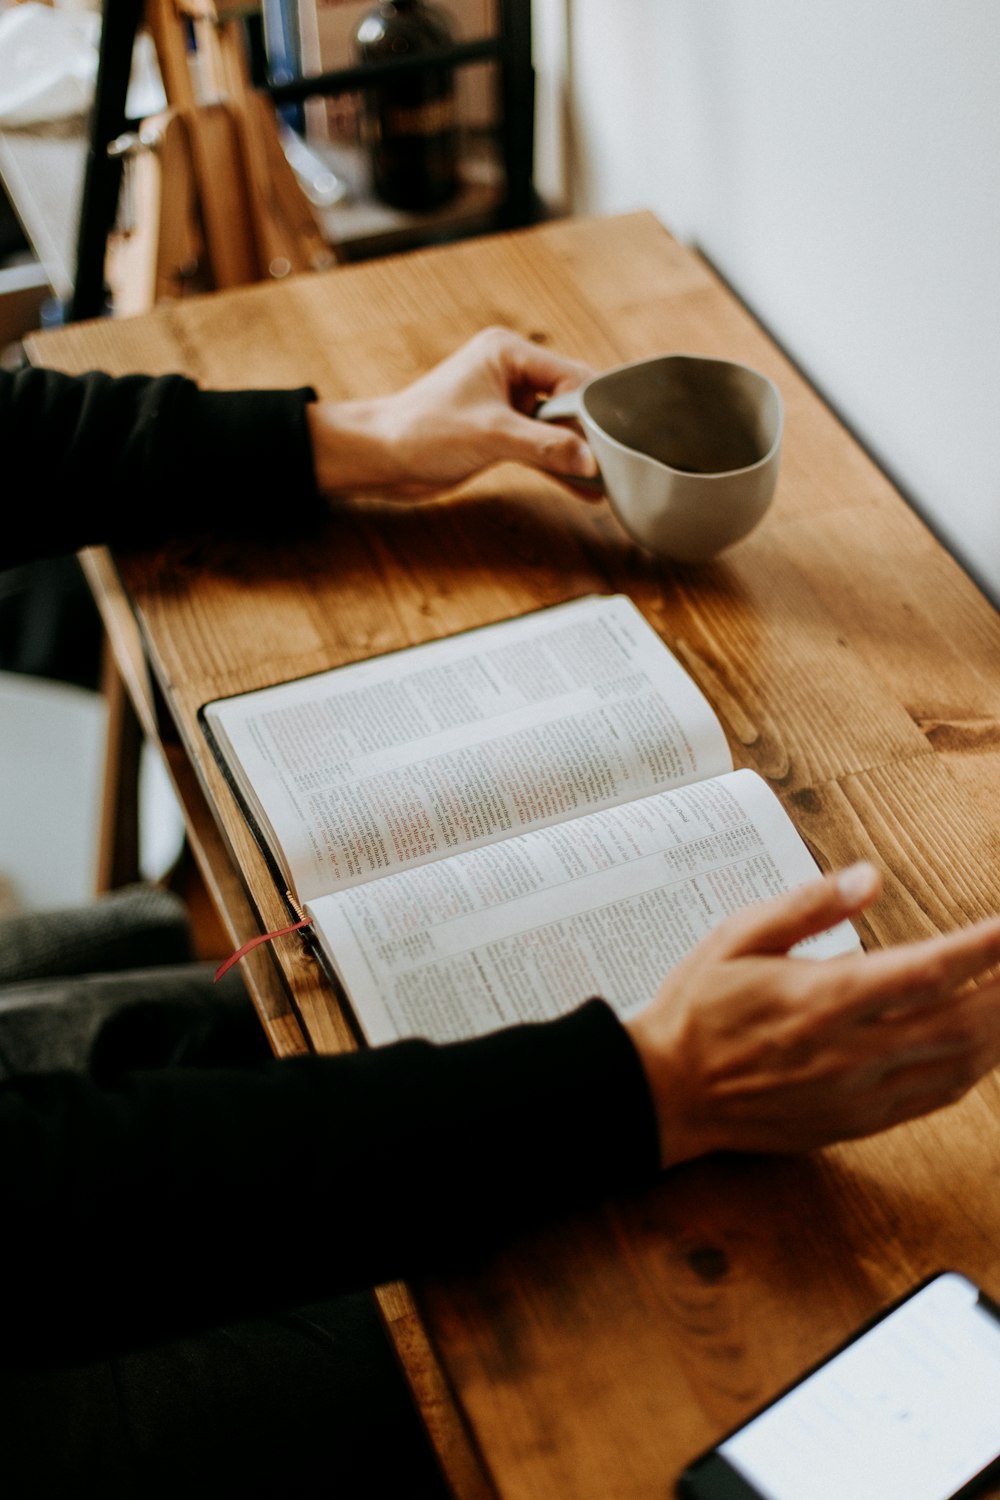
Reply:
x=240, y=1191
x=137, y=460
x=355, y=448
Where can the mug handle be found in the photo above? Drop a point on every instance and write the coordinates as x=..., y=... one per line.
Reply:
x=557, y=408
x=567, y=406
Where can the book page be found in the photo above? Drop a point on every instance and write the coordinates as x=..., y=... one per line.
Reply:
x=385, y=764
x=532, y=927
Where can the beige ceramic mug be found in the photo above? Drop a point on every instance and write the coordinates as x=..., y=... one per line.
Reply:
x=688, y=448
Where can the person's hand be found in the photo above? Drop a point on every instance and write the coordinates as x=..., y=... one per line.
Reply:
x=471, y=410
x=748, y=1049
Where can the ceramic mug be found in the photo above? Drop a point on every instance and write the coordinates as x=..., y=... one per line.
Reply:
x=688, y=448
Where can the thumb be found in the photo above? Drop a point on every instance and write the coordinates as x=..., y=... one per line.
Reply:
x=775, y=926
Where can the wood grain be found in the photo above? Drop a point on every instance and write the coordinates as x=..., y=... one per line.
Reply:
x=851, y=662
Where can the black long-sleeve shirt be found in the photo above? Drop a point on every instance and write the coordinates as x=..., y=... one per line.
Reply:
x=224, y=1193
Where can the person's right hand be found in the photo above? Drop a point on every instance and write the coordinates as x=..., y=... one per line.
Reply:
x=471, y=410
x=746, y=1048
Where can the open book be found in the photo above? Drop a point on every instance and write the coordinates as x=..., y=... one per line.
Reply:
x=495, y=826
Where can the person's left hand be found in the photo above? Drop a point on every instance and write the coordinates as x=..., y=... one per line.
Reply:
x=468, y=412
x=748, y=1048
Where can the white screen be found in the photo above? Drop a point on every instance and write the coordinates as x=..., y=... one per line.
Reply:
x=910, y=1411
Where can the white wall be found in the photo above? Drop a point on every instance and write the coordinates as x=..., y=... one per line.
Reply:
x=839, y=162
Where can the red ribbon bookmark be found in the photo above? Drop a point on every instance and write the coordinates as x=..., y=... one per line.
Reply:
x=265, y=937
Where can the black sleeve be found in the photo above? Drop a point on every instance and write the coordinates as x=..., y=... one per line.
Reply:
x=185, y=1197
x=140, y=459
x=182, y=1198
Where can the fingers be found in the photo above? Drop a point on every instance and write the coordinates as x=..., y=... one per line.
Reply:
x=775, y=926
x=747, y=1049
x=953, y=1058
x=472, y=410
x=533, y=365
x=955, y=1042
x=544, y=445
x=919, y=973
x=914, y=974
x=531, y=370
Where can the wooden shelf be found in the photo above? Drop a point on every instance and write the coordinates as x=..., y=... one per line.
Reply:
x=360, y=226
x=64, y=188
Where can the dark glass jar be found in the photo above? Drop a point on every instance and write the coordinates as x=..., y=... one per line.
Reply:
x=409, y=123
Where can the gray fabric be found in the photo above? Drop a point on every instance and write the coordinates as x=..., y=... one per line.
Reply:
x=140, y=926
x=103, y=1023
x=110, y=985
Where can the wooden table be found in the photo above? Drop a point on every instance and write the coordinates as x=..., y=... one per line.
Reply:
x=852, y=663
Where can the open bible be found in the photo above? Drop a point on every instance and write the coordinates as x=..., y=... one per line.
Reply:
x=495, y=826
